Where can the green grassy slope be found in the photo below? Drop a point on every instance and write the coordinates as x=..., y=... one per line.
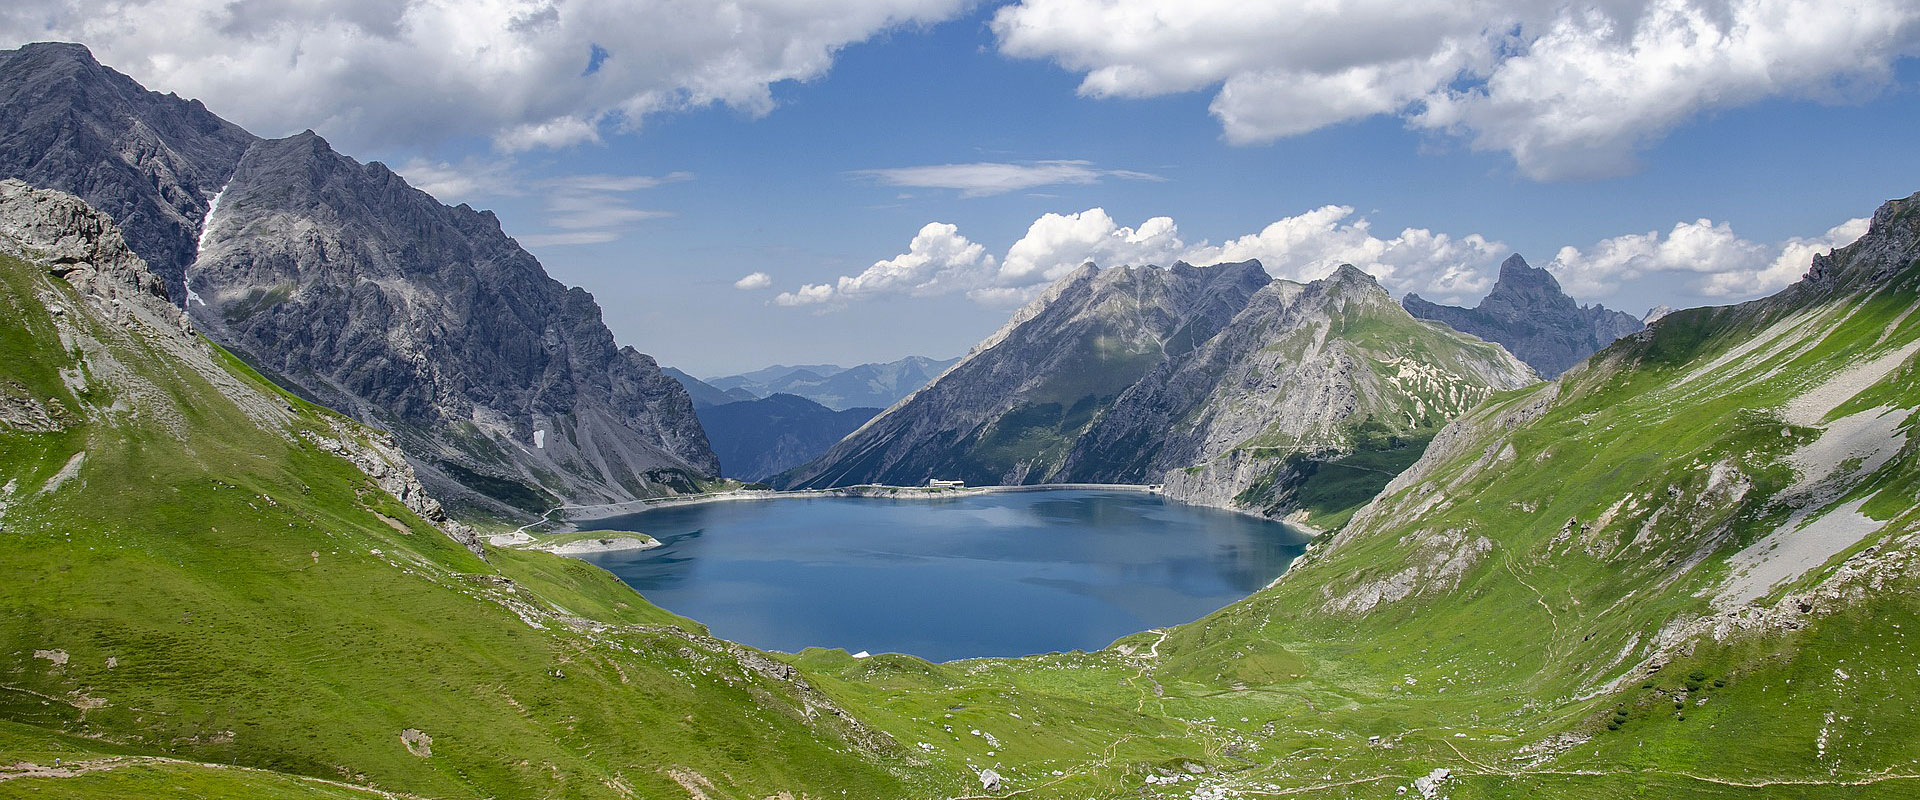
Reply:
x=212, y=584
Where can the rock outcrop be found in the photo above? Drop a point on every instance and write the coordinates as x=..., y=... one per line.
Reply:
x=1539, y=323
x=502, y=386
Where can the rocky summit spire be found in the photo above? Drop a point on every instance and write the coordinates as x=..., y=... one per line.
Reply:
x=1529, y=313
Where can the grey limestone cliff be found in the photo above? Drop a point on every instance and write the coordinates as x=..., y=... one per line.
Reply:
x=503, y=387
x=340, y=279
x=1307, y=402
x=150, y=161
x=1527, y=312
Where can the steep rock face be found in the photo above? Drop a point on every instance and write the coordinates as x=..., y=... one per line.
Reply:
x=1539, y=323
x=343, y=281
x=1309, y=399
x=152, y=162
x=366, y=294
x=1010, y=411
x=757, y=439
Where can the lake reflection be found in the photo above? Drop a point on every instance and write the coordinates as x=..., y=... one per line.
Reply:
x=988, y=575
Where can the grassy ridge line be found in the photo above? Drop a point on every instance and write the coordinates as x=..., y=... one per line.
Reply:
x=214, y=589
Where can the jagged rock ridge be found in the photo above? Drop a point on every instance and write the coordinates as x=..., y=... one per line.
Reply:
x=1011, y=409
x=1229, y=387
x=1539, y=323
x=1306, y=401
x=503, y=386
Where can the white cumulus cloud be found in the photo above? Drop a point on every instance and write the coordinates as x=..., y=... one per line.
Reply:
x=754, y=281
x=1567, y=89
x=530, y=73
x=1725, y=264
x=1309, y=246
x=938, y=260
x=1056, y=244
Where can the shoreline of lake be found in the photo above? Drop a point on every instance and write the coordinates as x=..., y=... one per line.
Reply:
x=572, y=516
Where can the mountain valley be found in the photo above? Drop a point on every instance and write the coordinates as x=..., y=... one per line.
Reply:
x=277, y=428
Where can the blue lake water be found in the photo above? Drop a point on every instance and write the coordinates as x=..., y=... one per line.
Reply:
x=987, y=575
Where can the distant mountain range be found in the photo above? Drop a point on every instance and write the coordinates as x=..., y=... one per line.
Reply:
x=337, y=279
x=760, y=437
x=836, y=387
x=1527, y=312
x=705, y=394
x=1231, y=388
x=757, y=439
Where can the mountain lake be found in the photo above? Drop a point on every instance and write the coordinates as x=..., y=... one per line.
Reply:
x=1001, y=574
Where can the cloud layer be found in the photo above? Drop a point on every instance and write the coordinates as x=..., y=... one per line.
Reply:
x=529, y=73
x=1568, y=90
x=1440, y=266
x=983, y=179
x=579, y=209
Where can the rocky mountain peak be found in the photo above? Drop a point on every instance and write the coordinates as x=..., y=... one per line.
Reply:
x=150, y=161
x=1529, y=313
x=1350, y=275
x=1525, y=289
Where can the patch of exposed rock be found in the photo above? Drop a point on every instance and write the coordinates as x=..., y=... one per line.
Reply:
x=1436, y=563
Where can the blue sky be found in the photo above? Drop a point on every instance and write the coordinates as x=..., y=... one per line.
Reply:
x=661, y=219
